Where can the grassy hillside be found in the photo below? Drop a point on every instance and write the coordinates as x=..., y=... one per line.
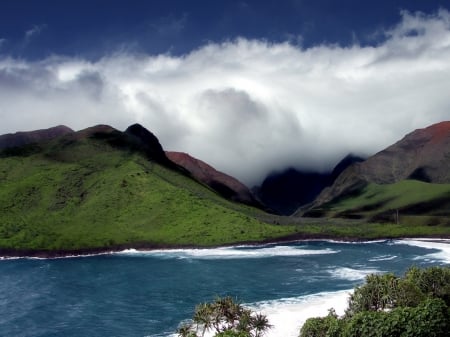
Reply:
x=82, y=193
x=95, y=191
x=416, y=202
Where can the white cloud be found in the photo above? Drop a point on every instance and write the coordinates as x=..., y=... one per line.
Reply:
x=248, y=107
x=34, y=31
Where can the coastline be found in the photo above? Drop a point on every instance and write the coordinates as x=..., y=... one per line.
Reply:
x=6, y=253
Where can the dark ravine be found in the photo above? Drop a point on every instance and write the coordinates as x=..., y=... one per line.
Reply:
x=284, y=192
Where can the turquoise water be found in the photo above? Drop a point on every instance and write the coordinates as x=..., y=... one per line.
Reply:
x=149, y=294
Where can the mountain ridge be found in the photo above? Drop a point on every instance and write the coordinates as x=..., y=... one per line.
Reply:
x=101, y=189
x=226, y=185
x=422, y=155
x=21, y=138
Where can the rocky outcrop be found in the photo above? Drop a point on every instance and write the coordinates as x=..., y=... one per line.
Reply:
x=147, y=142
x=19, y=139
x=222, y=183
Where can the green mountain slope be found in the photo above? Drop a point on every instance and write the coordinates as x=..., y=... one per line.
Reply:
x=407, y=200
x=408, y=182
x=95, y=189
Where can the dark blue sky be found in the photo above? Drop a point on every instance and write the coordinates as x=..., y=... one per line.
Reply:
x=234, y=83
x=92, y=28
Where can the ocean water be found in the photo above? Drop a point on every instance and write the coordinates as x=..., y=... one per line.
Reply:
x=135, y=293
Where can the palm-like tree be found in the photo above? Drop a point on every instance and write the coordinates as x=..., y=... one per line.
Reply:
x=186, y=331
x=228, y=311
x=227, y=317
x=260, y=324
x=204, y=317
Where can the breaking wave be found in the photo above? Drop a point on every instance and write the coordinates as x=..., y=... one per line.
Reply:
x=442, y=245
x=239, y=252
x=287, y=315
x=352, y=274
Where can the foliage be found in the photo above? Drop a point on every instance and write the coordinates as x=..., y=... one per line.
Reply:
x=429, y=318
x=433, y=282
x=226, y=318
x=328, y=326
x=415, y=305
x=86, y=194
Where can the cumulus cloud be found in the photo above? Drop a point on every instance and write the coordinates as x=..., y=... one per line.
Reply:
x=249, y=107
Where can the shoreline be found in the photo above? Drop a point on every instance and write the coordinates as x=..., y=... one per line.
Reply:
x=6, y=253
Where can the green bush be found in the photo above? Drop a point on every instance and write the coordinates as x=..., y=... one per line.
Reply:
x=429, y=319
x=328, y=326
x=416, y=305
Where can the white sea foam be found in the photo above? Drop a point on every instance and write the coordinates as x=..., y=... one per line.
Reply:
x=352, y=274
x=383, y=258
x=231, y=252
x=443, y=245
x=287, y=315
x=354, y=242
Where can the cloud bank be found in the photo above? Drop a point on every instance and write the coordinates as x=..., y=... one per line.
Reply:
x=248, y=107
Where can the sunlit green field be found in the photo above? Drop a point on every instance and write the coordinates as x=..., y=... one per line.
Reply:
x=410, y=201
x=90, y=195
x=83, y=194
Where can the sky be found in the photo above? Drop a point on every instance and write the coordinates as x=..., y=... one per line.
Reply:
x=250, y=87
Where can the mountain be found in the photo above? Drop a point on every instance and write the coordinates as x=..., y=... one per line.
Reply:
x=411, y=176
x=100, y=189
x=23, y=138
x=222, y=183
x=284, y=192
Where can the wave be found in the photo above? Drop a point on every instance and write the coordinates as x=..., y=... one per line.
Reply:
x=287, y=315
x=351, y=274
x=383, y=258
x=356, y=242
x=230, y=252
x=442, y=245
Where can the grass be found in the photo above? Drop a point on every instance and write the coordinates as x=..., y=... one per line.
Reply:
x=86, y=195
x=82, y=194
x=359, y=230
x=417, y=203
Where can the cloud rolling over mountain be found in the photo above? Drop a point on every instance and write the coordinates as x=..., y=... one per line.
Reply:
x=248, y=107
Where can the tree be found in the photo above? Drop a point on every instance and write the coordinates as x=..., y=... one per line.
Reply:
x=416, y=305
x=227, y=318
x=378, y=293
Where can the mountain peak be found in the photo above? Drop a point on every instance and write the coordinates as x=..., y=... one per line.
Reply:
x=147, y=141
x=437, y=132
x=22, y=138
x=423, y=154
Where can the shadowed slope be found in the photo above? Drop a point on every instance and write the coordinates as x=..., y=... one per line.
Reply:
x=23, y=138
x=224, y=184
